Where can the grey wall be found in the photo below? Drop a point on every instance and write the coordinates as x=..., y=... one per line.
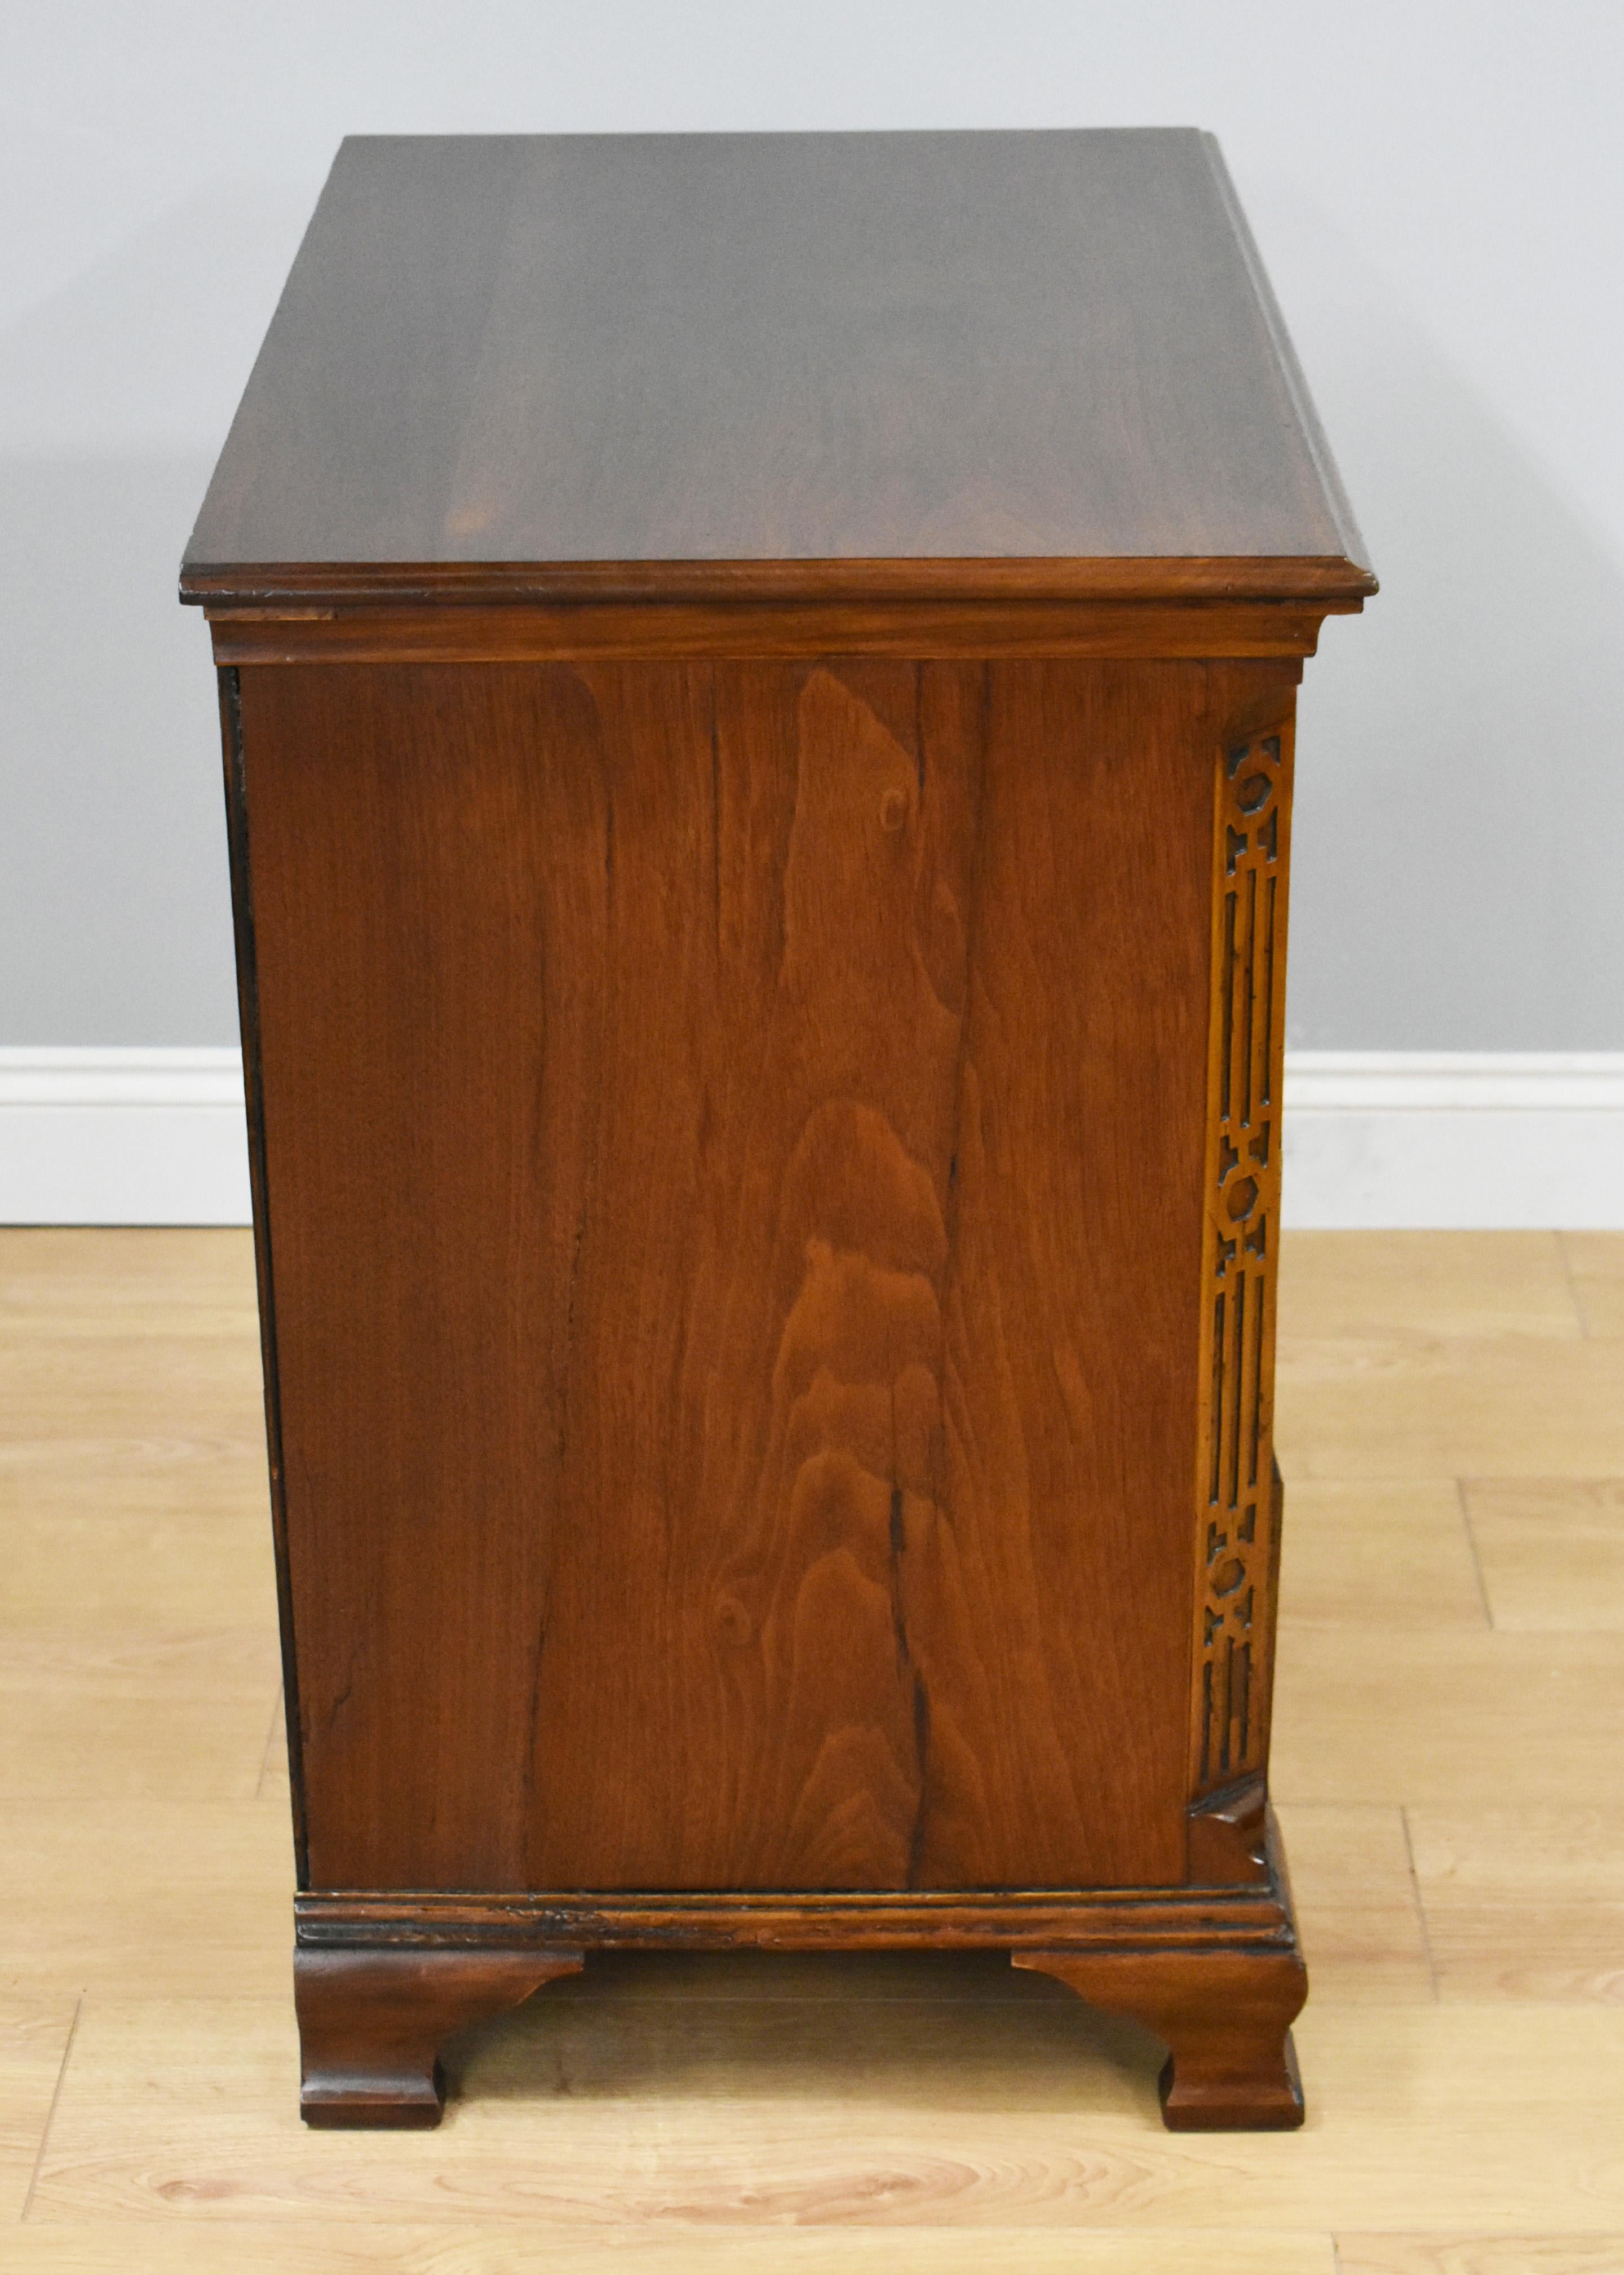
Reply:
x=1439, y=192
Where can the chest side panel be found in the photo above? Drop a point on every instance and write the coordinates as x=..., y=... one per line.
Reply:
x=734, y=1149
x=1056, y=1575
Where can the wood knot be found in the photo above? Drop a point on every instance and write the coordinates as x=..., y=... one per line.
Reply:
x=733, y=1621
x=893, y=809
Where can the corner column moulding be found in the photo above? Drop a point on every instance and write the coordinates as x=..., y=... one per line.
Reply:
x=757, y=675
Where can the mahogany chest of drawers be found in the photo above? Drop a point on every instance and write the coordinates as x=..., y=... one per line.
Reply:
x=758, y=680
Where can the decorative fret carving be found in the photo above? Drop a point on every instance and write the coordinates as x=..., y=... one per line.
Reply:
x=1236, y=1493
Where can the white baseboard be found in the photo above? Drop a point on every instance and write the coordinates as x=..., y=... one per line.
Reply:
x=123, y=1136
x=1494, y=1139
x=1454, y=1139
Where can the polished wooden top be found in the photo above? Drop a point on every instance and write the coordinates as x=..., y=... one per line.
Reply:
x=859, y=364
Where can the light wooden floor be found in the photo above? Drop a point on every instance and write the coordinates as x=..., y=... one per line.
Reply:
x=1449, y=1764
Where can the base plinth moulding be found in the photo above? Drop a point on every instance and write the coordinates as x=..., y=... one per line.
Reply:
x=383, y=1980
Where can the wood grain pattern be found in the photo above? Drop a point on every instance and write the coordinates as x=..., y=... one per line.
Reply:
x=732, y=348
x=688, y=1238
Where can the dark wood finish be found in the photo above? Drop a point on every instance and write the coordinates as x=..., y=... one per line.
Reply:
x=248, y=1020
x=770, y=1222
x=371, y=2024
x=1225, y=2017
x=293, y=589
x=764, y=1065
x=909, y=630
x=1227, y=1829
x=1255, y=1918
x=783, y=348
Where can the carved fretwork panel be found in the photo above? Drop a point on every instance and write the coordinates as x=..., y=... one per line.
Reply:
x=1237, y=1502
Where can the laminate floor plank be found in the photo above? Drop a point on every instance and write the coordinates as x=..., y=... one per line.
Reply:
x=181, y=1897
x=1524, y=1903
x=96, y=1385
x=522, y=2247
x=951, y=2113
x=57, y=1281
x=1479, y=2254
x=1425, y=1284
x=1358, y=1912
x=1445, y=1715
x=184, y=1570
x=162, y=1473
x=1358, y=1409
x=1379, y=1553
x=1595, y=1264
x=34, y=2038
x=1550, y=1551
x=96, y=1716
x=275, y=1786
